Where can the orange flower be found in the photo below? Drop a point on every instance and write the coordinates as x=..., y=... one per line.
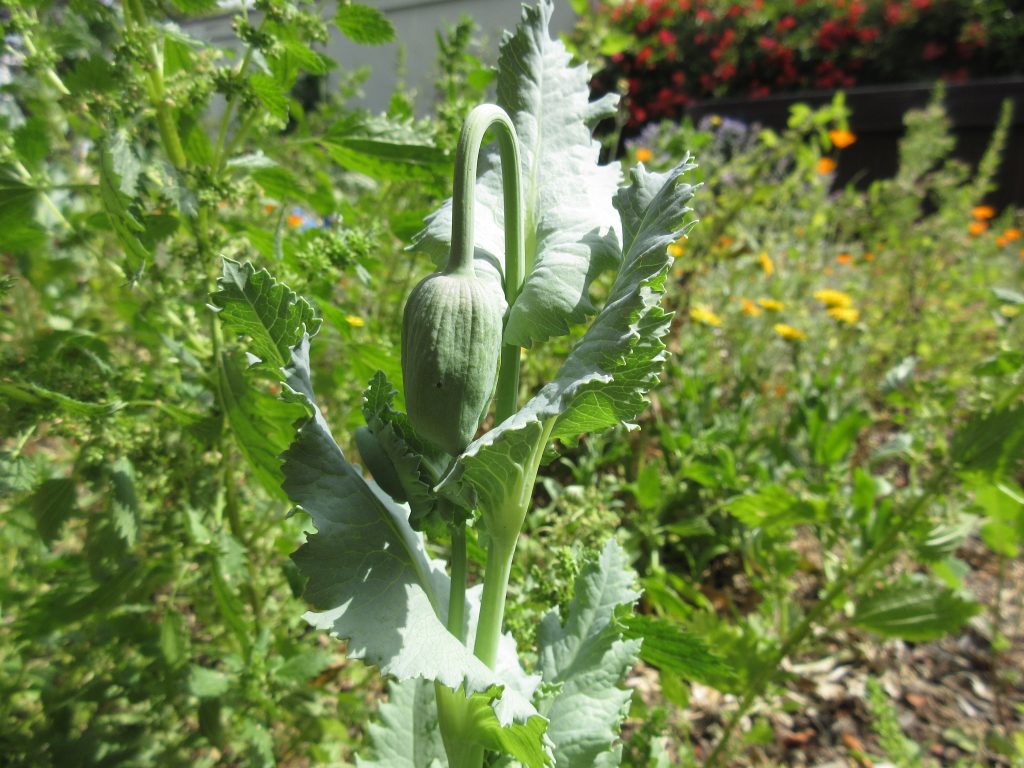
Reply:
x=268, y=208
x=844, y=258
x=869, y=256
x=750, y=308
x=841, y=139
x=977, y=228
x=828, y=271
x=825, y=166
x=1001, y=241
x=982, y=212
x=294, y=220
x=644, y=155
x=1012, y=234
x=724, y=241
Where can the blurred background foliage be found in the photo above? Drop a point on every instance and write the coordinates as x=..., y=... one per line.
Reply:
x=840, y=417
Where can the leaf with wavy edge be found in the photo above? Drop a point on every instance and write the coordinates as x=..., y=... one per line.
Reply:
x=571, y=230
x=604, y=379
x=374, y=584
x=589, y=657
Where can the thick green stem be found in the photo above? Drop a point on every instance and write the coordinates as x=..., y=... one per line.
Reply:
x=457, y=592
x=492, y=604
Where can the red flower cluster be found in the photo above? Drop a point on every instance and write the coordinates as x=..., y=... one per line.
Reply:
x=689, y=50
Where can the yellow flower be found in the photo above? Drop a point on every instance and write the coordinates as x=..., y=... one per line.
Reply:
x=977, y=227
x=825, y=166
x=702, y=314
x=841, y=139
x=750, y=308
x=982, y=212
x=771, y=305
x=644, y=155
x=355, y=321
x=848, y=315
x=678, y=248
x=788, y=332
x=832, y=298
x=766, y=263
x=1009, y=310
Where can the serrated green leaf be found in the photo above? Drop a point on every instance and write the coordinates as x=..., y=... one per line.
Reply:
x=604, y=379
x=914, y=609
x=271, y=95
x=193, y=7
x=124, y=504
x=274, y=317
x=771, y=508
x=125, y=224
x=669, y=648
x=572, y=230
x=208, y=683
x=588, y=658
x=363, y=24
x=383, y=148
x=34, y=394
x=52, y=503
x=262, y=423
x=304, y=665
x=373, y=583
x=407, y=735
x=991, y=442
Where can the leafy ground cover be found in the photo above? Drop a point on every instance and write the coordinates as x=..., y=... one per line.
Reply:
x=824, y=499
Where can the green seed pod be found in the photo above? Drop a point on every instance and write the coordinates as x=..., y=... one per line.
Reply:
x=379, y=464
x=451, y=342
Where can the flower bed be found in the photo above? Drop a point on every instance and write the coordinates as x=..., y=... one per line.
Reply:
x=670, y=54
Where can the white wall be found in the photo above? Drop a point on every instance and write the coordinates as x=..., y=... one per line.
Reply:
x=416, y=22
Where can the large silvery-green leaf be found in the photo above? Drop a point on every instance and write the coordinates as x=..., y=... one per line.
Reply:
x=571, y=227
x=373, y=583
x=589, y=657
x=606, y=375
x=407, y=735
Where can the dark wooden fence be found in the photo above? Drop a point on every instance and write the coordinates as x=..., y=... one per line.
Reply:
x=877, y=119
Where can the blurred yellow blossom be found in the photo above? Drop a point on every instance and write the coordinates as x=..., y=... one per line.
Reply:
x=644, y=155
x=294, y=220
x=833, y=298
x=771, y=305
x=678, y=248
x=1009, y=310
x=355, y=321
x=825, y=166
x=848, y=315
x=750, y=308
x=841, y=139
x=788, y=332
x=702, y=314
x=767, y=265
